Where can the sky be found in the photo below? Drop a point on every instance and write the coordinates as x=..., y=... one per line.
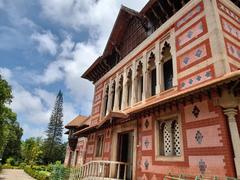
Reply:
x=45, y=46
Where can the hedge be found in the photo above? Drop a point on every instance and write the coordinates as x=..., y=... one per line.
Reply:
x=38, y=174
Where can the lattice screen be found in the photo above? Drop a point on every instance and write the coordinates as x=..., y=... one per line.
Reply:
x=167, y=139
x=176, y=139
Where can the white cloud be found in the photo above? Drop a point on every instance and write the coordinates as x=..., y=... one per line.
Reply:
x=6, y=73
x=75, y=58
x=34, y=108
x=46, y=42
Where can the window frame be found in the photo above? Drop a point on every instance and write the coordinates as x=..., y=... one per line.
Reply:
x=100, y=150
x=159, y=157
x=165, y=60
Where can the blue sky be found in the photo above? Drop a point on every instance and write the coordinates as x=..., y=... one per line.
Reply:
x=45, y=46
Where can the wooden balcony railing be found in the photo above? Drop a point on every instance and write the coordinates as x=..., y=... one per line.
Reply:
x=100, y=170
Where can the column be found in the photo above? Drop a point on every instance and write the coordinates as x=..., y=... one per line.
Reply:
x=133, y=98
x=158, y=67
x=231, y=113
x=174, y=56
x=145, y=77
x=116, y=100
x=124, y=93
x=103, y=101
x=109, y=105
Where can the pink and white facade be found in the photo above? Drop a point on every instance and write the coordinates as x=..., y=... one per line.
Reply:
x=172, y=104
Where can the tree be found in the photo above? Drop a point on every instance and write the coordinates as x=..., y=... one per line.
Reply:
x=7, y=116
x=52, y=145
x=32, y=150
x=13, y=145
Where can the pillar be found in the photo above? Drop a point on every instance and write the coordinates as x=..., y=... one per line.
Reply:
x=158, y=67
x=109, y=104
x=174, y=56
x=145, y=77
x=116, y=100
x=124, y=93
x=231, y=116
x=134, y=69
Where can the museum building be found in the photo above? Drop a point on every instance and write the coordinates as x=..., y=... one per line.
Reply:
x=167, y=96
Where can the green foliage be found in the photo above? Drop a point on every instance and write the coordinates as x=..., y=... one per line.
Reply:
x=22, y=165
x=38, y=174
x=13, y=146
x=9, y=166
x=32, y=150
x=7, y=117
x=59, y=172
x=52, y=150
x=10, y=161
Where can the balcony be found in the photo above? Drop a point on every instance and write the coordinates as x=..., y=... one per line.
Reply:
x=101, y=170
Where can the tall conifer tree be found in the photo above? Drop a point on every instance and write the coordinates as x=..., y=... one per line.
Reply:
x=54, y=132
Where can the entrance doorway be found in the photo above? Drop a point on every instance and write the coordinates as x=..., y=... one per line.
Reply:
x=125, y=152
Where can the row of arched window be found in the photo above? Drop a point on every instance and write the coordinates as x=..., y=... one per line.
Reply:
x=113, y=93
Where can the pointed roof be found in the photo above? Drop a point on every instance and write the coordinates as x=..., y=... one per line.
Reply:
x=124, y=16
x=77, y=122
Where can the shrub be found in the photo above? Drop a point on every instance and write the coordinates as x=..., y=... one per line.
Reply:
x=22, y=165
x=8, y=166
x=0, y=167
x=10, y=161
x=59, y=172
x=38, y=174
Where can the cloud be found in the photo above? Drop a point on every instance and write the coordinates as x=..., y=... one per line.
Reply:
x=46, y=42
x=34, y=108
x=71, y=58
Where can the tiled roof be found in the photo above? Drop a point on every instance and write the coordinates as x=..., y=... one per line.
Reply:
x=77, y=121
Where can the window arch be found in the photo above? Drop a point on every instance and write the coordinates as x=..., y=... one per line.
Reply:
x=169, y=143
x=152, y=73
x=167, y=66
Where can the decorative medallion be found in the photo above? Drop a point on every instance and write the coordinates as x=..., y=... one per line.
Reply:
x=146, y=143
x=190, y=81
x=146, y=164
x=189, y=34
x=183, y=84
x=146, y=124
x=198, y=78
x=198, y=53
x=202, y=166
x=208, y=74
x=199, y=137
x=195, y=111
x=186, y=60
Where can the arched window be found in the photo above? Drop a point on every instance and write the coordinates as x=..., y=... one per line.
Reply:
x=167, y=66
x=152, y=74
x=139, y=79
x=169, y=138
x=120, y=91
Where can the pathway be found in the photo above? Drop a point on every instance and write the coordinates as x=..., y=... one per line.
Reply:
x=14, y=174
